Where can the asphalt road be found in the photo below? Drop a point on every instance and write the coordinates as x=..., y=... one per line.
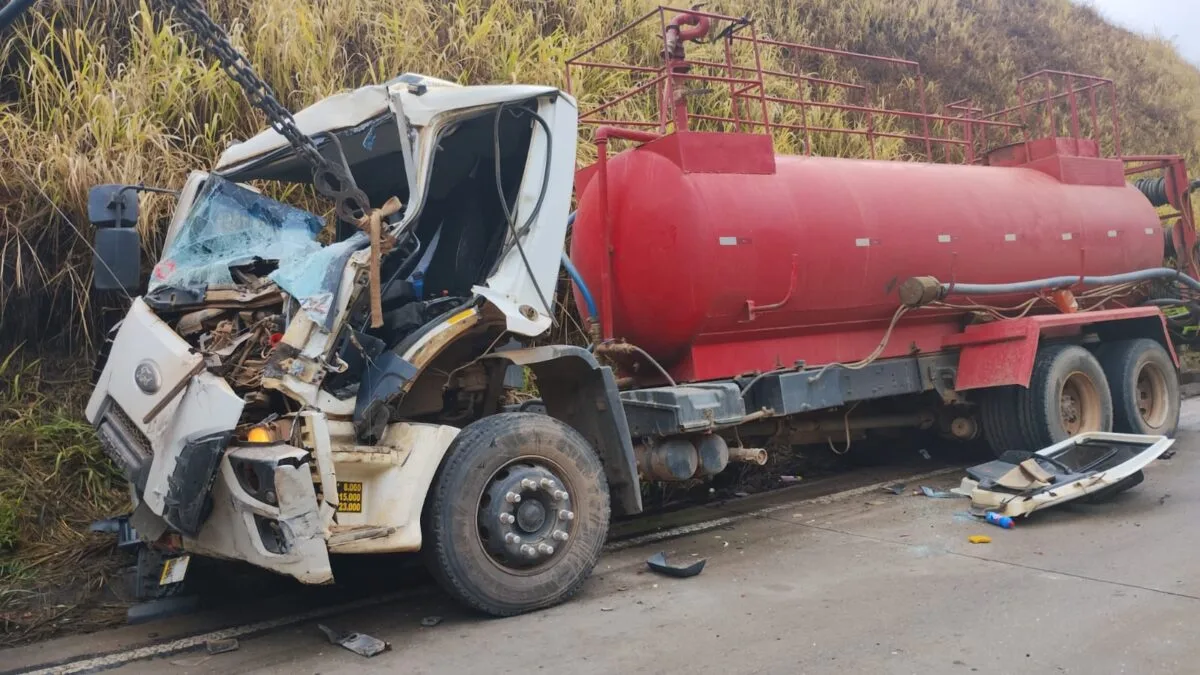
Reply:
x=865, y=583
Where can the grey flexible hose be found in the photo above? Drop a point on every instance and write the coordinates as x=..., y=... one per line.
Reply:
x=1065, y=281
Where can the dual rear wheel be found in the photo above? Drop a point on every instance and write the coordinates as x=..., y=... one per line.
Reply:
x=1130, y=386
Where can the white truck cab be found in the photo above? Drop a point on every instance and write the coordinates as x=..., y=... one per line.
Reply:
x=263, y=413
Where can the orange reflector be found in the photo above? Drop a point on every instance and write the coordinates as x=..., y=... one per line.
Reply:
x=259, y=435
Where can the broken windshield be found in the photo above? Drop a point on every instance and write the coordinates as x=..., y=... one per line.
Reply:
x=230, y=225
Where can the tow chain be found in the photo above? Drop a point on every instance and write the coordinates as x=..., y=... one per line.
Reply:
x=331, y=180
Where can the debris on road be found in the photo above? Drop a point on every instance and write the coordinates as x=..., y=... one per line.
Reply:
x=658, y=563
x=896, y=489
x=1000, y=521
x=359, y=643
x=979, y=539
x=431, y=621
x=1096, y=465
x=215, y=647
x=939, y=494
x=789, y=479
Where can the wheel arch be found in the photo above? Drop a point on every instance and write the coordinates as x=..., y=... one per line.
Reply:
x=580, y=392
x=1002, y=353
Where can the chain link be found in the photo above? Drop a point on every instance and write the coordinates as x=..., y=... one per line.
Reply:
x=331, y=179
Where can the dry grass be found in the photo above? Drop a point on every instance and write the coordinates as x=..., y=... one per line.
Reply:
x=54, y=482
x=109, y=91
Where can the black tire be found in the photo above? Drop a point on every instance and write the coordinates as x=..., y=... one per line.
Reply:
x=1062, y=372
x=1144, y=385
x=998, y=415
x=491, y=450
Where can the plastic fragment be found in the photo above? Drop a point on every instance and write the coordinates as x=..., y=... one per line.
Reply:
x=215, y=647
x=658, y=563
x=359, y=643
x=896, y=489
x=979, y=539
x=431, y=621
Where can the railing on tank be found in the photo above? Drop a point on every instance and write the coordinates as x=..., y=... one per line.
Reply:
x=741, y=94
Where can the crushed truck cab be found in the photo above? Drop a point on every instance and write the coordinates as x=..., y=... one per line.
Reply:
x=260, y=409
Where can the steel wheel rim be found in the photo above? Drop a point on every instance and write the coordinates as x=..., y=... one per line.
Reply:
x=1079, y=404
x=1152, y=395
x=542, y=519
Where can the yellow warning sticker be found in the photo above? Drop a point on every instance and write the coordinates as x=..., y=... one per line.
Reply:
x=350, y=496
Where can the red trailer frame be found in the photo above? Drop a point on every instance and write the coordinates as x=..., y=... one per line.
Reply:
x=1064, y=124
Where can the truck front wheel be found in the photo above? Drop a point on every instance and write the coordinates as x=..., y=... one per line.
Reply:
x=517, y=514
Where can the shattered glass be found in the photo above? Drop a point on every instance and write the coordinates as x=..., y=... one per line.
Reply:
x=230, y=225
x=314, y=280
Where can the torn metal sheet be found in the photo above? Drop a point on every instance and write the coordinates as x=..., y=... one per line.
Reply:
x=1020, y=483
x=359, y=643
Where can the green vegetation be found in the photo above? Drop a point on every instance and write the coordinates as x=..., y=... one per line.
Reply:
x=54, y=482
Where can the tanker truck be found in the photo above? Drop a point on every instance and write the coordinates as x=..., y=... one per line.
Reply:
x=279, y=399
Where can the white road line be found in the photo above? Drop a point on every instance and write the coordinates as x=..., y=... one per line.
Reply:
x=707, y=525
x=107, y=661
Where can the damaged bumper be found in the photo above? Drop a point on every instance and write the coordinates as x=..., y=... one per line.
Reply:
x=265, y=513
x=1084, y=465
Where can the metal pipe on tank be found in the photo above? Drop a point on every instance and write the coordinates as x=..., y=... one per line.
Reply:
x=748, y=455
x=607, y=287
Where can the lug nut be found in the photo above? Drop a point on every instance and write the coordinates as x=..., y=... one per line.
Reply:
x=566, y=515
x=545, y=549
x=529, y=484
x=547, y=484
x=528, y=551
x=512, y=538
x=561, y=495
x=507, y=518
x=560, y=535
x=512, y=498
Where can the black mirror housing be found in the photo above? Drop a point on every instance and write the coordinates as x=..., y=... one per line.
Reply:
x=117, y=262
x=113, y=206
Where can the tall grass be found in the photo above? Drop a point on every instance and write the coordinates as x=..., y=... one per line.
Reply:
x=110, y=91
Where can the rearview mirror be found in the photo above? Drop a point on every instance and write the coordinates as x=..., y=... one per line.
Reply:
x=117, y=260
x=113, y=205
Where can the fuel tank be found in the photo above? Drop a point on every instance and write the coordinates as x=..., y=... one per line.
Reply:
x=716, y=240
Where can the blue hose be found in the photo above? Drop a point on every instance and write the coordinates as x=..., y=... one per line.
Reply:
x=579, y=283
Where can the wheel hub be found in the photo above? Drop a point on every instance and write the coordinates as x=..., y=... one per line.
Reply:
x=530, y=516
x=525, y=516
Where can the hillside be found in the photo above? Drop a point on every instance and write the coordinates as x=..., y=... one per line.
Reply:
x=109, y=92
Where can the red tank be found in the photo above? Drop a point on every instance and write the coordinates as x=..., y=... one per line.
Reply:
x=728, y=258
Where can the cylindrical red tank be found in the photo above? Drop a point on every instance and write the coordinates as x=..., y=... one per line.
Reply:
x=702, y=235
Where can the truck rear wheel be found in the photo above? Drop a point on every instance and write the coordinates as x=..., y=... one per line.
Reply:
x=1068, y=395
x=1145, y=387
x=998, y=414
x=517, y=514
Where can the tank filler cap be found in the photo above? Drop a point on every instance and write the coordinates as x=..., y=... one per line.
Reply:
x=919, y=291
